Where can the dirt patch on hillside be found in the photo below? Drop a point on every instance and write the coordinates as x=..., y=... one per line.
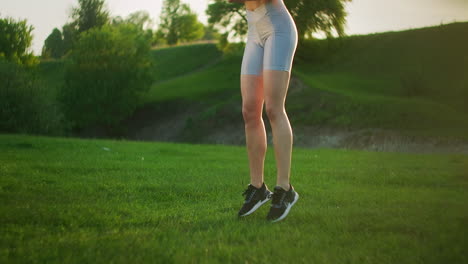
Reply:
x=375, y=140
x=171, y=129
x=173, y=122
x=153, y=123
x=363, y=139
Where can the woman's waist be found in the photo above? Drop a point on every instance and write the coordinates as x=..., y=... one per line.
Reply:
x=273, y=8
x=271, y=25
x=251, y=5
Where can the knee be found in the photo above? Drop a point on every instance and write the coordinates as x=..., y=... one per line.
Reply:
x=274, y=112
x=251, y=114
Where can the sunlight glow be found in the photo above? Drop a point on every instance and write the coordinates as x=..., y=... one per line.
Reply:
x=365, y=16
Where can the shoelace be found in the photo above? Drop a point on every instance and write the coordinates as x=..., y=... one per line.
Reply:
x=278, y=198
x=249, y=193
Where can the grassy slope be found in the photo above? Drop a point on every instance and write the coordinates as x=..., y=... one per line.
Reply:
x=222, y=77
x=405, y=80
x=71, y=201
x=411, y=81
x=435, y=53
x=176, y=61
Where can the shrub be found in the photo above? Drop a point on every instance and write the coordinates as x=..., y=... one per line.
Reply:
x=234, y=50
x=230, y=49
x=53, y=45
x=15, y=41
x=107, y=71
x=26, y=106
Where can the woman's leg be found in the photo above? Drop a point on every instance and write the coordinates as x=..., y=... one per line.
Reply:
x=252, y=106
x=276, y=87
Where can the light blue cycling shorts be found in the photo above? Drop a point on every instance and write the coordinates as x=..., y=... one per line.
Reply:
x=271, y=39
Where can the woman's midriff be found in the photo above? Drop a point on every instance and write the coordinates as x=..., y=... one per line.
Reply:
x=252, y=5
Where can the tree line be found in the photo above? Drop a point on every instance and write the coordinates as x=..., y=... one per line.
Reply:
x=178, y=23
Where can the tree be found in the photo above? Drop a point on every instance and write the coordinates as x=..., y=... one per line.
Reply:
x=318, y=16
x=310, y=16
x=141, y=19
x=159, y=38
x=210, y=33
x=87, y=15
x=231, y=17
x=179, y=23
x=190, y=28
x=53, y=45
x=70, y=36
x=107, y=71
x=15, y=41
x=90, y=14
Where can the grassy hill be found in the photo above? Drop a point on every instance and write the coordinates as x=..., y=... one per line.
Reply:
x=103, y=201
x=406, y=80
x=413, y=82
x=429, y=62
x=177, y=61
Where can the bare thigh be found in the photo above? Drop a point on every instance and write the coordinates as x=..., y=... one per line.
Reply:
x=276, y=85
x=252, y=96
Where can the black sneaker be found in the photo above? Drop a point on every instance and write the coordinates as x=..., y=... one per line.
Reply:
x=282, y=203
x=254, y=198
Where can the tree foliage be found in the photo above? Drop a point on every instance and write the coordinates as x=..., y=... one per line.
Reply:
x=189, y=28
x=108, y=69
x=87, y=15
x=15, y=41
x=229, y=16
x=310, y=16
x=179, y=23
x=141, y=20
x=210, y=33
x=70, y=36
x=313, y=16
x=90, y=14
x=53, y=45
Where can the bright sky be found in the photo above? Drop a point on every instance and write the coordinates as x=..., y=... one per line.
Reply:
x=365, y=16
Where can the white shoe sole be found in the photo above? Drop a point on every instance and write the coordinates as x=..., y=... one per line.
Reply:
x=286, y=212
x=260, y=203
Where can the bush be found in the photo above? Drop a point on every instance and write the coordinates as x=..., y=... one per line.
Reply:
x=230, y=49
x=15, y=41
x=107, y=71
x=234, y=50
x=53, y=45
x=26, y=106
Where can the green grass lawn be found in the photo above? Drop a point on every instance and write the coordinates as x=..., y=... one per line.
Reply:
x=102, y=201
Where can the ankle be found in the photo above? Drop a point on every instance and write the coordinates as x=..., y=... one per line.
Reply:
x=257, y=185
